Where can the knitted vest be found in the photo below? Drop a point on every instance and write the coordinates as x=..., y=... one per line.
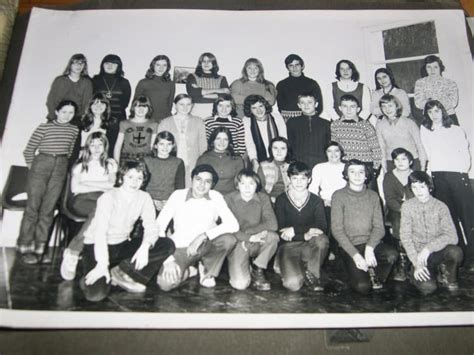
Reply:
x=208, y=83
x=270, y=170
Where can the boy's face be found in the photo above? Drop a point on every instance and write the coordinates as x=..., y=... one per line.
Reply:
x=334, y=154
x=402, y=163
x=308, y=105
x=356, y=175
x=421, y=191
x=299, y=182
x=132, y=180
x=389, y=109
x=349, y=110
x=295, y=68
x=201, y=184
x=65, y=114
x=247, y=187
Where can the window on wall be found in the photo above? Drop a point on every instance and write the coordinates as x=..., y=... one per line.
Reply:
x=402, y=49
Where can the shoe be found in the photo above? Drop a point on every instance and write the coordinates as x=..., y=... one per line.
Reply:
x=399, y=271
x=192, y=271
x=443, y=279
x=69, y=265
x=259, y=281
x=121, y=279
x=25, y=248
x=331, y=256
x=313, y=282
x=40, y=248
x=374, y=280
x=206, y=281
x=29, y=259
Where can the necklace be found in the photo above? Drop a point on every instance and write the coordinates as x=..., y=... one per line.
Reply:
x=108, y=94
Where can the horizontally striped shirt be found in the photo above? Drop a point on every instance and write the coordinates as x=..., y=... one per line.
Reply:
x=51, y=138
x=236, y=128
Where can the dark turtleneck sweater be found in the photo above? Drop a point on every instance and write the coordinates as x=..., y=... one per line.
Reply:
x=120, y=89
x=290, y=88
x=160, y=93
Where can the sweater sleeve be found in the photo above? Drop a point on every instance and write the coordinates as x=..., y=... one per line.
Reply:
x=237, y=92
x=194, y=92
x=202, y=143
x=270, y=93
x=224, y=83
x=102, y=219
x=406, y=233
x=415, y=133
x=126, y=93
x=139, y=90
x=447, y=232
x=337, y=225
x=450, y=95
x=148, y=216
x=405, y=101
x=420, y=99
x=280, y=212
x=33, y=143
x=249, y=143
x=53, y=97
x=179, y=179
x=373, y=144
x=316, y=91
x=240, y=139
x=392, y=197
x=229, y=223
x=279, y=96
x=167, y=213
x=365, y=112
x=378, y=226
x=381, y=140
x=315, y=185
x=86, y=95
x=268, y=221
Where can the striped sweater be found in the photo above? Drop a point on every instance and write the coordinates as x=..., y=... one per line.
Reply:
x=236, y=128
x=206, y=81
x=358, y=139
x=51, y=138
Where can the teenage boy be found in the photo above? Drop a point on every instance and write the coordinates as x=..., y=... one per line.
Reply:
x=357, y=137
x=302, y=225
x=357, y=225
x=308, y=134
x=197, y=236
x=295, y=84
x=429, y=237
x=257, y=240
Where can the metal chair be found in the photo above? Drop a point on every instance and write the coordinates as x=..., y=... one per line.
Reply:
x=16, y=184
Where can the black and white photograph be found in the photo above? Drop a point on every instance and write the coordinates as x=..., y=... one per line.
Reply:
x=318, y=176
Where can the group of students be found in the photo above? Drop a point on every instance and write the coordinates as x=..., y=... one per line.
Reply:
x=249, y=188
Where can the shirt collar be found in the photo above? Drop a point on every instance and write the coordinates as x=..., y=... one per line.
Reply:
x=189, y=195
x=229, y=118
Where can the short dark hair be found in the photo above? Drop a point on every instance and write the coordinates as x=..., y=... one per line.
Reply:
x=112, y=58
x=349, y=163
x=290, y=58
x=334, y=144
x=250, y=174
x=179, y=97
x=422, y=177
x=252, y=100
x=289, y=154
x=355, y=73
x=431, y=59
x=205, y=168
x=126, y=166
x=221, y=98
x=297, y=168
x=349, y=97
x=399, y=151
x=307, y=94
x=63, y=103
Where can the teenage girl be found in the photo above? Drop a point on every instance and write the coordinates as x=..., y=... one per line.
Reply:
x=189, y=132
x=166, y=170
x=385, y=84
x=46, y=154
x=273, y=172
x=397, y=131
x=93, y=174
x=449, y=161
x=224, y=115
x=158, y=87
x=347, y=82
x=111, y=82
x=205, y=85
x=252, y=82
x=74, y=84
x=220, y=155
x=137, y=134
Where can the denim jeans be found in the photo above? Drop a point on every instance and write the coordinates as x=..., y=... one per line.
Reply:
x=84, y=204
x=211, y=253
x=359, y=280
x=239, y=259
x=451, y=256
x=45, y=182
x=121, y=254
x=297, y=257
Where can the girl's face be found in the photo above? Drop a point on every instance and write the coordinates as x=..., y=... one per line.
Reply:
x=356, y=175
x=259, y=110
x=77, y=66
x=110, y=68
x=402, y=163
x=279, y=151
x=164, y=148
x=334, y=154
x=160, y=67
x=433, y=69
x=345, y=71
x=132, y=180
x=252, y=71
x=221, y=143
x=247, y=187
x=436, y=115
x=207, y=65
x=389, y=109
x=421, y=191
x=384, y=80
x=224, y=108
x=299, y=182
x=98, y=107
x=65, y=114
x=184, y=106
x=96, y=148
x=141, y=110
